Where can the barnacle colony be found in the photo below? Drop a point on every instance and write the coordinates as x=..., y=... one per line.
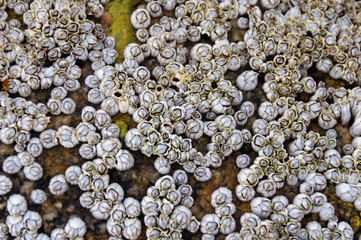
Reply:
x=190, y=78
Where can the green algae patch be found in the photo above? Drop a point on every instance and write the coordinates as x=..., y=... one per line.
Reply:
x=124, y=121
x=123, y=128
x=121, y=28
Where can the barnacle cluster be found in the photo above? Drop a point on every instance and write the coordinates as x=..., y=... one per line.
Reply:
x=186, y=81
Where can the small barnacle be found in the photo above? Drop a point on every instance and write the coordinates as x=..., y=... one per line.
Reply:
x=58, y=185
x=66, y=136
x=32, y=221
x=261, y=207
x=245, y=193
x=7, y=135
x=267, y=111
x=124, y=160
x=87, y=200
x=132, y=228
x=5, y=185
x=75, y=228
x=220, y=197
x=58, y=233
x=210, y=224
x=54, y=106
x=68, y=106
x=12, y=165
x=347, y=192
x=326, y=212
x=101, y=210
x=33, y=172
x=247, y=81
x=16, y=205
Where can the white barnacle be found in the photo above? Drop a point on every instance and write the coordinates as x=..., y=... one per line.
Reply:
x=87, y=200
x=14, y=225
x=210, y=224
x=227, y=225
x=38, y=196
x=22, y=137
x=48, y=138
x=87, y=151
x=201, y=51
x=140, y=18
x=261, y=207
x=114, y=228
x=58, y=233
x=221, y=196
x=266, y=188
x=58, y=185
x=132, y=228
x=248, y=176
x=162, y=165
x=33, y=172
x=5, y=184
x=317, y=180
x=267, y=111
x=72, y=174
x=347, y=192
x=180, y=177
x=194, y=129
x=67, y=136
x=75, y=228
x=16, y=205
x=326, y=212
x=245, y=193
x=41, y=123
x=202, y=174
x=115, y=193
x=248, y=80
x=58, y=93
x=101, y=210
x=124, y=160
x=88, y=114
x=326, y=120
x=54, y=106
x=132, y=207
x=318, y=200
x=154, y=9
x=34, y=147
x=102, y=119
x=12, y=165
x=32, y=221
x=68, y=106
x=108, y=146
x=7, y=135
x=303, y=202
x=346, y=230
